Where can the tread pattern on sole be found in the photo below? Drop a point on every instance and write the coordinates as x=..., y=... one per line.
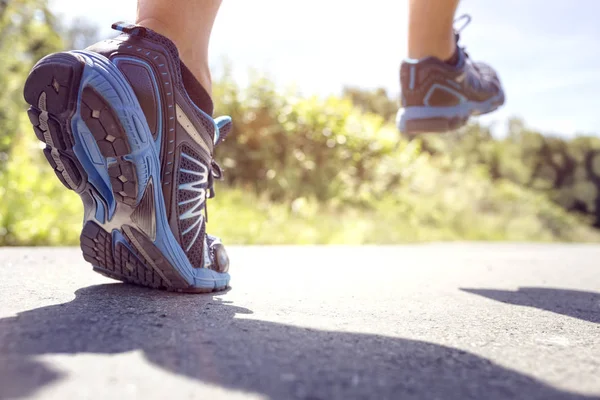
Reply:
x=52, y=90
x=116, y=262
x=145, y=250
x=96, y=245
x=123, y=179
x=104, y=124
x=143, y=266
x=111, y=138
x=152, y=256
x=136, y=272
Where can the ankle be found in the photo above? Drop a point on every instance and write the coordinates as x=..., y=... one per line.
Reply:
x=157, y=26
x=442, y=48
x=194, y=57
x=200, y=71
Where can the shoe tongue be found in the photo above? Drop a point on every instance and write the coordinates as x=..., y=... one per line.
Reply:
x=195, y=90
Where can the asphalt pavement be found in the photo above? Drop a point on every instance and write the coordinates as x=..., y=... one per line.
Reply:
x=434, y=321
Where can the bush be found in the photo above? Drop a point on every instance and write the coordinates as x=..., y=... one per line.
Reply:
x=292, y=147
x=35, y=209
x=312, y=170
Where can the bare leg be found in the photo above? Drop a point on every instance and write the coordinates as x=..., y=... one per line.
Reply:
x=430, y=31
x=188, y=23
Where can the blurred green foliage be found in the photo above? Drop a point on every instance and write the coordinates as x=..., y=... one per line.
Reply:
x=314, y=170
x=567, y=171
x=26, y=35
x=34, y=209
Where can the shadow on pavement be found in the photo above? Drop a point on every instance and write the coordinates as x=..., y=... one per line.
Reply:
x=203, y=338
x=573, y=303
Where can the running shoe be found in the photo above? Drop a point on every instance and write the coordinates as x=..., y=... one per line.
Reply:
x=128, y=128
x=439, y=97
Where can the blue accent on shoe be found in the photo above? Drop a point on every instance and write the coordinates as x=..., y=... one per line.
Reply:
x=100, y=211
x=220, y=123
x=127, y=27
x=106, y=79
x=207, y=278
x=118, y=238
x=455, y=84
x=463, y=110
x=437, y=86
x=87, y=152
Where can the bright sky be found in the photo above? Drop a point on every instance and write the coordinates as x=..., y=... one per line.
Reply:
x=546, y=51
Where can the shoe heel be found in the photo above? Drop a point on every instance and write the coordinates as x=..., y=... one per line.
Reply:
x=51, y=91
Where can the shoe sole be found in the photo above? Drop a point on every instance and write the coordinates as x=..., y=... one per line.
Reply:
x=423, y=119
x=99, y=145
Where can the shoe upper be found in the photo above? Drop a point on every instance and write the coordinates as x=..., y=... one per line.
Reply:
x=185, y=135
x=433, y=82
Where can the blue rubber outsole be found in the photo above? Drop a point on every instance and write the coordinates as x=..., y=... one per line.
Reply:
x=99, y=144
x=424, y=119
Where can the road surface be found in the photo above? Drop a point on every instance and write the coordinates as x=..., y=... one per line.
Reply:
x=436, y=321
